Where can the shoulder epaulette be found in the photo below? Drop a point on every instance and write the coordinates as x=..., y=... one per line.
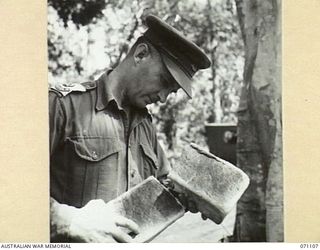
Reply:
x=63, y=90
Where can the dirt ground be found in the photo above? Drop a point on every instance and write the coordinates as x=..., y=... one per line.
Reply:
x=191, y=228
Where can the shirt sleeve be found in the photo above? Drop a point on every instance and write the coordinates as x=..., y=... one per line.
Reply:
x=56, y=121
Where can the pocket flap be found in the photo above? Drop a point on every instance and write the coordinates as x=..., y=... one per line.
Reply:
x=95, y=148
x=150, y=154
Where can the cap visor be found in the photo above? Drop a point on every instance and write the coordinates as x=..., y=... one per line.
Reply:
x=178, y=74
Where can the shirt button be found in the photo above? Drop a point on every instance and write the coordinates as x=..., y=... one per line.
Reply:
x=94, y=155
x=132, y=172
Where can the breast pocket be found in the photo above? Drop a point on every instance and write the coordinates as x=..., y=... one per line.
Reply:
x=93, y=168
x=94, y=149
x=149, y=161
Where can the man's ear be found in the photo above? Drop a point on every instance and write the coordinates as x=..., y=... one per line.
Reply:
x=141, y=52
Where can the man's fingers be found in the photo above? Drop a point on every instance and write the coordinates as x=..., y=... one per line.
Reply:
x=129, y=224
x=189, y=205
x=204, y=217
x=192, y=206
x=167, y=183
x=183, y=199
x=121, y=236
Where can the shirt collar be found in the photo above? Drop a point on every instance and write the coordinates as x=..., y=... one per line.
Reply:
x=104, y=94
x=106, y=97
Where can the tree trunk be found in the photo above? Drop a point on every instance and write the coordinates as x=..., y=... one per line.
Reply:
x=259, y=146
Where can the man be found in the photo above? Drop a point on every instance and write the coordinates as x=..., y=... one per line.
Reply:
x=102, y=140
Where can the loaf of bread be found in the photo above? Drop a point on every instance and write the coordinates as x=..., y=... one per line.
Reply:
x=213, y=184
x=151, y=206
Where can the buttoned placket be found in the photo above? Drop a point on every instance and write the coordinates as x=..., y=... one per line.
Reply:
x=133, y=173
x=128, y=173
x=125, y=122
x=131, y=167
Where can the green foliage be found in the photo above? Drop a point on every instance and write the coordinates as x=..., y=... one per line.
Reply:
x=81, y=49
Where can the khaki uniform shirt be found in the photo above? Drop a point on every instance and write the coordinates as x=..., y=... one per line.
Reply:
x=94, y=151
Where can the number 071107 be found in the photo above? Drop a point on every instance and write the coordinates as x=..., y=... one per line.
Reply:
x=309, y=245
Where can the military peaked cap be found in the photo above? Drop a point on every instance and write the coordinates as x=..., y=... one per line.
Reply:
x=182, y=57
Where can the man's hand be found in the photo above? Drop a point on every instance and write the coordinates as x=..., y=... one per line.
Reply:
x=186, y=201
x=98, y=222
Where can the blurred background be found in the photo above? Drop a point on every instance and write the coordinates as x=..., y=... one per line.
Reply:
x=87, y=37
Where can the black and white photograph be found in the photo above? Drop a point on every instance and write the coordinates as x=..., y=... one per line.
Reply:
x=165, y=121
